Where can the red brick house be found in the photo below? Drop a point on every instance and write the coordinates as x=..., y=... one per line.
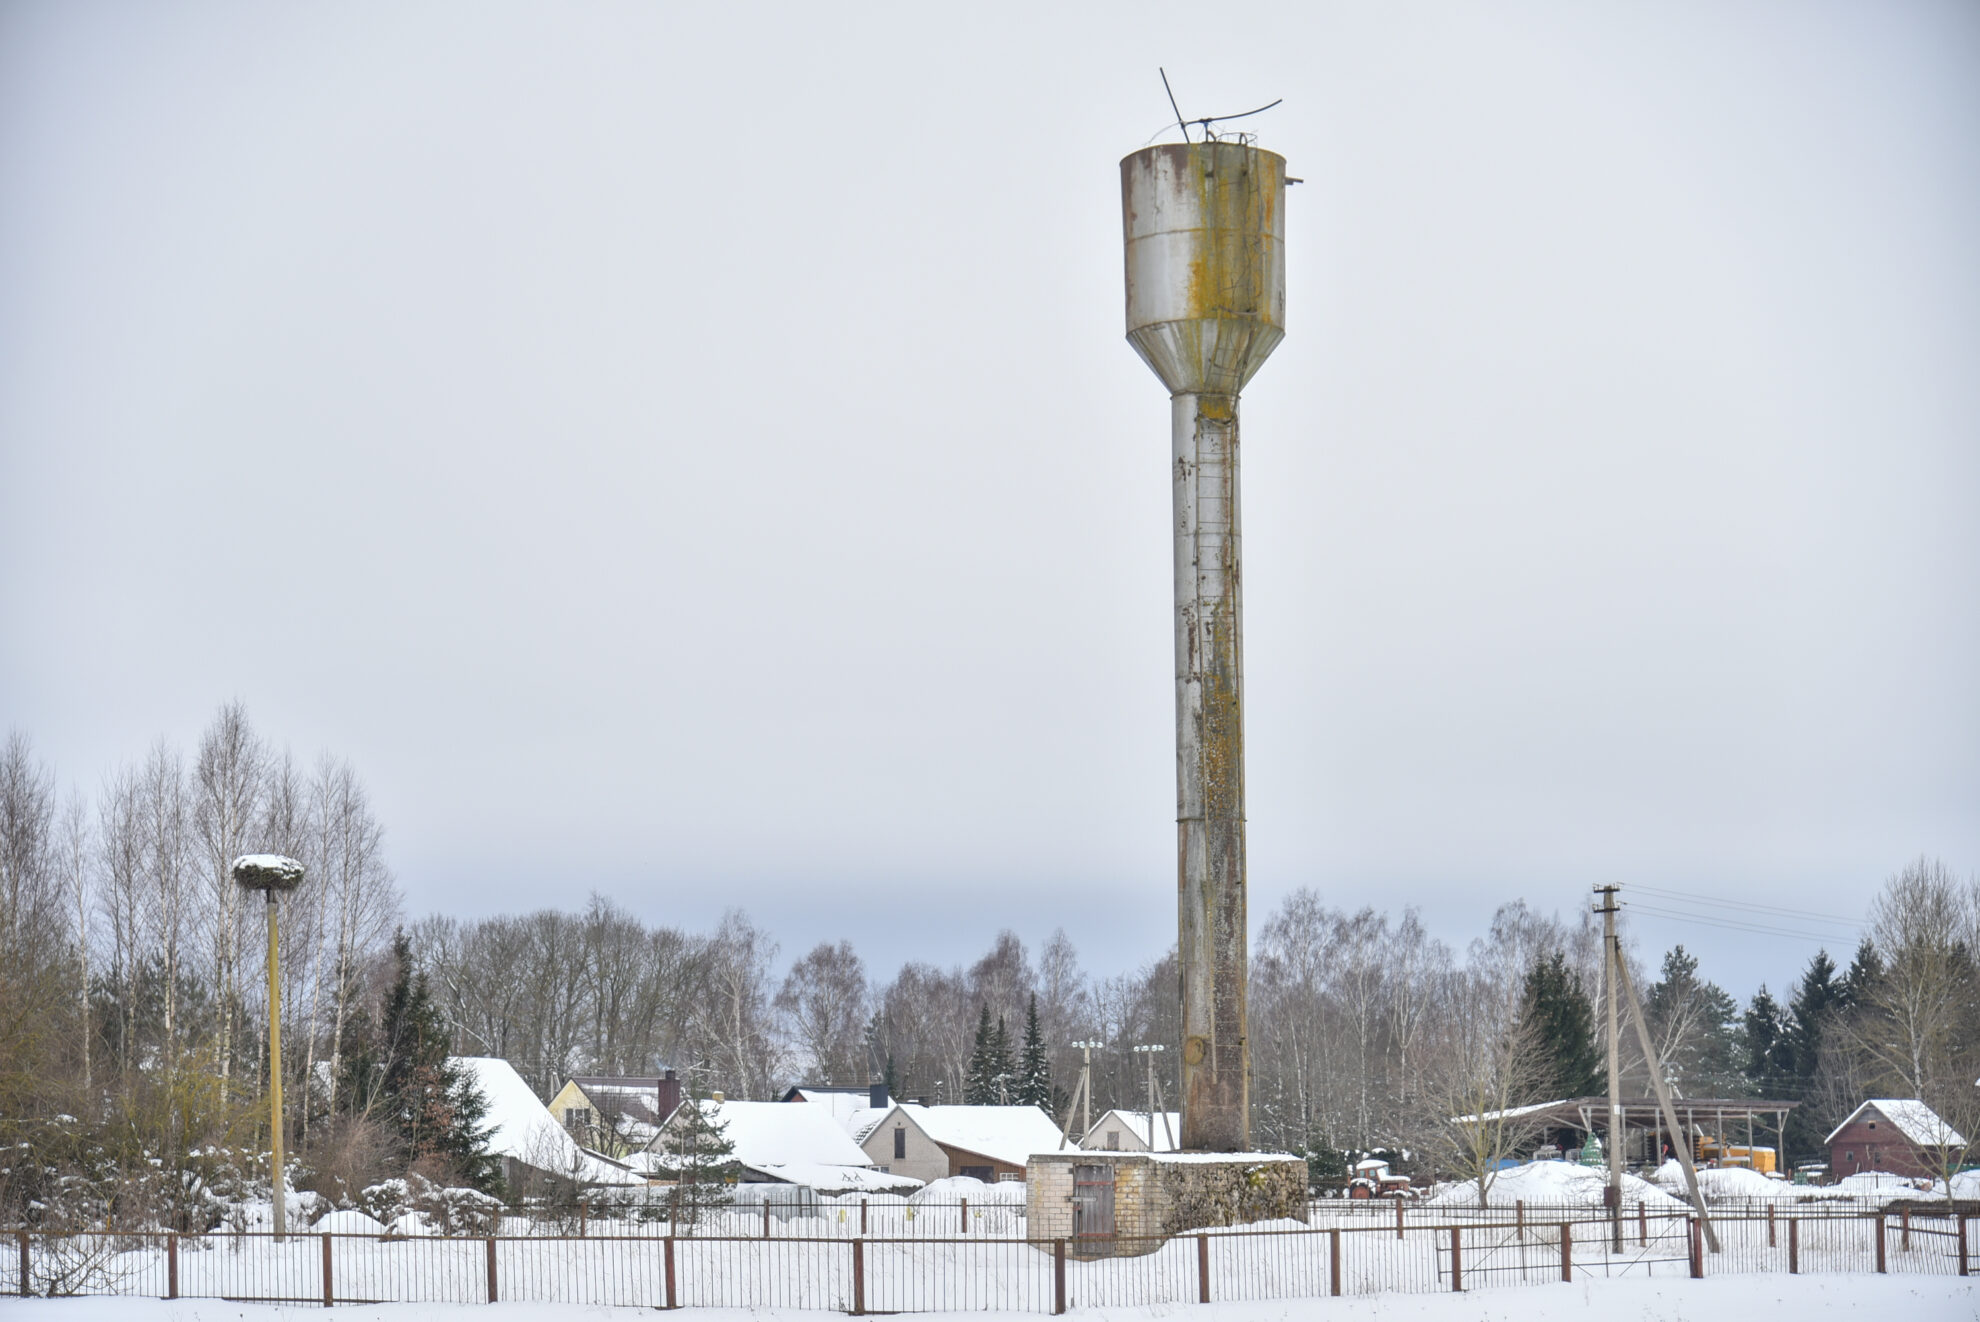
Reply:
x=1900, y=1137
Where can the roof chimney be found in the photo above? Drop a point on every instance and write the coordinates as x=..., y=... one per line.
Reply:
x=667, y=1094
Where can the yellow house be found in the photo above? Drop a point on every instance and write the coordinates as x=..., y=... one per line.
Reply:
x=616, y=1115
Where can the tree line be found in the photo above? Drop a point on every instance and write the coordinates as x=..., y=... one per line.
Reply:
x=132, y=1042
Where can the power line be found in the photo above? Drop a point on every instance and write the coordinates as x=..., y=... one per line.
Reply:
x=1743, y=904
x=1733, y=924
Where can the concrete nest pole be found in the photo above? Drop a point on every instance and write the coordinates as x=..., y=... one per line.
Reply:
x=274, y=875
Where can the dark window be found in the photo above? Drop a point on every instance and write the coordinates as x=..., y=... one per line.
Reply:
x=1113, y=1140
x=900, y=1141
x=987, y=1174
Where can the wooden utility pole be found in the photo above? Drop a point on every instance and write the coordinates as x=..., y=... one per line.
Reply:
x=1682, y=1134
x=1612, y=958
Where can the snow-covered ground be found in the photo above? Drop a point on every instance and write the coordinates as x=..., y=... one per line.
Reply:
x=1852, y=1298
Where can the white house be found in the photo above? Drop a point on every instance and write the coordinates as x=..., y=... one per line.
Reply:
x=526, y=1136
x=987, y=1143
x=787, y=1143
x=1135, y=1131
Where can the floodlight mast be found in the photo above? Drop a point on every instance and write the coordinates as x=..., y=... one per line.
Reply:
x=273, y=874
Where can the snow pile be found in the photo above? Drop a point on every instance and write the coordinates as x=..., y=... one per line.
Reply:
x=1554, y=1184
x=955, y=1188
x=348, y=1222
x=1724, y=1184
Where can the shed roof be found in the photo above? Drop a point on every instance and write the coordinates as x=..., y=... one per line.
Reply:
x=1009, y=1134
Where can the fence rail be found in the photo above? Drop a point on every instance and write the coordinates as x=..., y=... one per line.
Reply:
x=896, y=1273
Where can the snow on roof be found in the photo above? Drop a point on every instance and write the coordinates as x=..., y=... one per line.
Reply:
x=1010, y=1134
x=766, y=1134
x=1915, y=1120
x=522, y=1128
x=844, y=1105
x=1146, y=1126
x=1510, y=1113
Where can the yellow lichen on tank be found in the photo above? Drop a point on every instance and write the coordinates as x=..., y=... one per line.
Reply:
x=1230, y=277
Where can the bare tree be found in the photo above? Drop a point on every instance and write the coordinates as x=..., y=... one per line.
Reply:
x=226, y=812
x=824, y=1001
x=1482, y=1068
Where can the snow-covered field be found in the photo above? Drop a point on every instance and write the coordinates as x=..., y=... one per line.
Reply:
x=1851, y=1298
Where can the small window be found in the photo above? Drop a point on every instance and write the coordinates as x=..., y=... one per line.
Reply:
x=900, y=1142
x=577, y=1117
x=987, y=1174
x=1113, y=1140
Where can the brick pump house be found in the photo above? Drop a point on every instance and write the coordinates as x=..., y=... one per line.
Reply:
x=1899, y=1137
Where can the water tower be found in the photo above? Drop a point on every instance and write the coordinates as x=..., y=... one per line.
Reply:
x=1206, y=305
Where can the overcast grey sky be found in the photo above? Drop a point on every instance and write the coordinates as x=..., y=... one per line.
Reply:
x=691, y=451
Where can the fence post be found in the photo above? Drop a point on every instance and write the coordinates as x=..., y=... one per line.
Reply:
x=1567, y=1251
x=26, y=1289
x=1904, y=1216
x=1770, y=1227
x=1399, y=1218
x=1058, y=1276
x=766, y=1218
x=492, y=1294
x=172, y=1265
x=1457, y=1256
x=862, y=1216
x=669, y=1256
x=584, y=1215
x=1334, y=1260
x=328, y=1297
x=1642, y=1227
x=965, y=1218
x=1794, y=1245
x=1697, y=1251
x=1962, y=1244
x=1203, y=1269
x=1519, y=1219
x=859, y=1277
x=1880, y=1243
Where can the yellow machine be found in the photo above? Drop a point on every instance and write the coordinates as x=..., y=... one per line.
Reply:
x=1704, y=1148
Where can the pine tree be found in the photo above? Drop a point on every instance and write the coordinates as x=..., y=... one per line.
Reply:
x=1701, y=1024
x=1860, y=983
x=1034, y=1086
x=1815, y=1001
x=1564, y=1022
x=399, y=1074
x=695, y=1145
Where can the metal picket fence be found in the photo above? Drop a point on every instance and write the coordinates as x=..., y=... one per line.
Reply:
x=962, y=1271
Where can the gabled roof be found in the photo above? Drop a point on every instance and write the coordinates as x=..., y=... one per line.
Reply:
x=1009, y=1134
x=522, y=1128
x=1912, y=1118
x=783, y=1134
x=1147, y=1126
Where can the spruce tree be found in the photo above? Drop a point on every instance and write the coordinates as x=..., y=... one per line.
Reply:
x=1860, y=983
x=695, y=1146
x=1563, y=1021
x=399, y=1074
x=1002, y=1078
x=1766, y=1044
x=979, y=1087
x=1034, y=1065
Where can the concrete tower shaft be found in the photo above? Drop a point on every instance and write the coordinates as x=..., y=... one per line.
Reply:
x=1205, y=307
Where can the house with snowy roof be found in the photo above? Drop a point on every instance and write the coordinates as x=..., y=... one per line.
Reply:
x=842, y=1101
x=1903, y=1137
x=987, y=1143
x=1135, y=1131
x=779, y=1143
x=617, y=1115
x=528, y=1139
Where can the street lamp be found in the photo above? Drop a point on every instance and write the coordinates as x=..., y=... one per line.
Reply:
x=272, y=874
